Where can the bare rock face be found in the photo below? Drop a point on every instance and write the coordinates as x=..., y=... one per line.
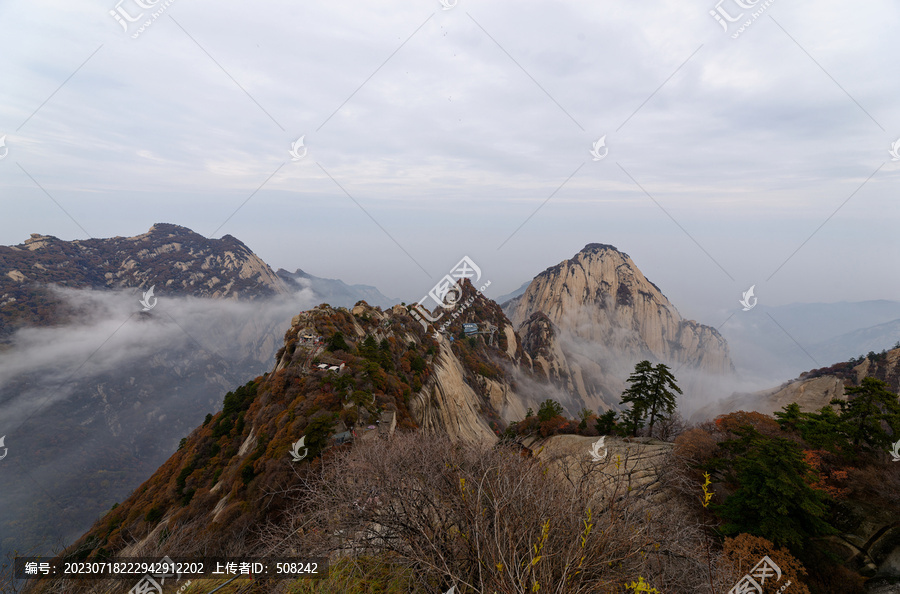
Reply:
x=586, y=321
x=601, y=296
x=449, y=405
x=638, y=463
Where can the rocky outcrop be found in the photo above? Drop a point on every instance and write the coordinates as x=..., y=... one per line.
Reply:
x=447, y=404
x=600, y=296
x=872, y=545
x=637, y=464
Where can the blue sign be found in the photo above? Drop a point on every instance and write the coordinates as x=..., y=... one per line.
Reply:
x=470, y=328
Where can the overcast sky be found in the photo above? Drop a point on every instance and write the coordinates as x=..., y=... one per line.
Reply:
x=430, y=134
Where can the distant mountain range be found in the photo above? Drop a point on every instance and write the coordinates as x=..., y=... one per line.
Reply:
x=171, y=258
x=780, y=342
x=341, y=370
x=438, y=378
x=335, y=292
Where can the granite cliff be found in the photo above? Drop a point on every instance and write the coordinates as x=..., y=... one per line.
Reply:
x=587, y=320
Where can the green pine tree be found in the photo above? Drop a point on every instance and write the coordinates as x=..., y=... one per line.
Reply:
x=651, y=393
x=822, y=430
x=549, y=409
x=661, y=400
x=868, y=408
x=773, y=498
x=606, y=423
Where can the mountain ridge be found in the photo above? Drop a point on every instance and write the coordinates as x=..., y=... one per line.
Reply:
x=175, y=259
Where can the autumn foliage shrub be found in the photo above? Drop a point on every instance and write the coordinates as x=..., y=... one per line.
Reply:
x=696, y=446
x=745, y=551
x=732, y=422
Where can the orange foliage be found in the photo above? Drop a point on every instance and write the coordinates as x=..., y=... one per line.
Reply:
x=744, y=551
x=822, y=475
x=695, y=445
x=553, y=426
x=765, y=424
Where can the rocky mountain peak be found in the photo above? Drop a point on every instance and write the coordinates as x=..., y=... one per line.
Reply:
x=602, y=303
x=593, y=248
x=174, y=259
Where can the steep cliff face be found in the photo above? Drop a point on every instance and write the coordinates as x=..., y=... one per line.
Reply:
x=587, y=320
x=474, y=390
x=447, y=404
x=601, y=296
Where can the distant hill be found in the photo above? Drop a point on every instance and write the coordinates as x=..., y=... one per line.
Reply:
x=335, y=292
x=776, y=343
x=504, y=299
x=859, y=342
x=813, y=389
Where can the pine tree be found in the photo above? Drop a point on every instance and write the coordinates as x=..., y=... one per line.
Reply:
x=821, y=430
x=867, y=408
x=549, y=409
x=774, y=499
x=636, y=395
x=651, y=392
x=606, y=423
x=661, y=401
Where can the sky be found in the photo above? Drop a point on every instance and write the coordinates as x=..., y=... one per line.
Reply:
x=722, y=158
